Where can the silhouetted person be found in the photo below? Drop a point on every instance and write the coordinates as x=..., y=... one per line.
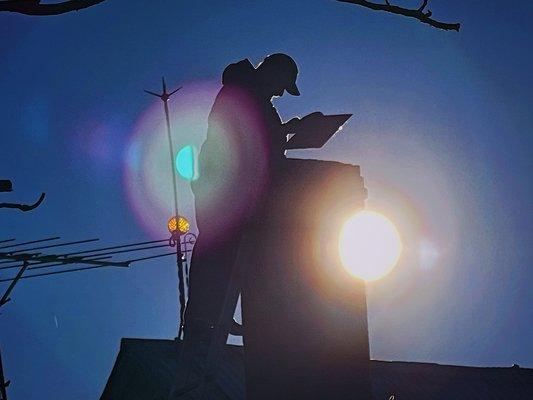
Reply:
x=245, y=143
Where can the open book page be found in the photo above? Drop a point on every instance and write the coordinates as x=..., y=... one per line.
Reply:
x=315, y=129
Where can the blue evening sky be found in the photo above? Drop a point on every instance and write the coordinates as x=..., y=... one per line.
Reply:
x=442, y=131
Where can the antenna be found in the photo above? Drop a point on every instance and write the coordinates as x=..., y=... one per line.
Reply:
x=20, y=255
x=26, y=261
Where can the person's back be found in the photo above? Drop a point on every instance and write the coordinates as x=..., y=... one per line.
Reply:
x=233, y=155
x=244, y=142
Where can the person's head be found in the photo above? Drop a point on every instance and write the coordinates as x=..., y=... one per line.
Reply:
x=276, y=74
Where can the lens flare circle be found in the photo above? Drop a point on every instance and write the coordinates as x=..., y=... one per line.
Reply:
x=186, y=163
x=370, y=245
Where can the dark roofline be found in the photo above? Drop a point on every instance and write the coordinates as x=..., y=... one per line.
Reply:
x=413, y=363
x=147, y=367
x=133, y=342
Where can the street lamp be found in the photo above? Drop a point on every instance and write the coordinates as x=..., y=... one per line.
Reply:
x=177, y=226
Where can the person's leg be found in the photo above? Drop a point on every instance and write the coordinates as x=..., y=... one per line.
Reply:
x=205, y=331
x=211, y=268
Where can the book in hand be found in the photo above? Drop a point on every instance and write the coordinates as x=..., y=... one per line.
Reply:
x=314, y=130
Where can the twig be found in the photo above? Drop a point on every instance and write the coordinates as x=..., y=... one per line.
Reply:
x=24, y=207
x=419, y=14
x=34, y=7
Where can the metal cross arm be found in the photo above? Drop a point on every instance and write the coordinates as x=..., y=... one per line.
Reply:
x=5, y=298
x=64, y=260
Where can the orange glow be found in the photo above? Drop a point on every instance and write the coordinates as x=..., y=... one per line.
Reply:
x=178, y=224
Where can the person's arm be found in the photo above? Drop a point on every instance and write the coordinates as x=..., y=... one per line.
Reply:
x=291, y=125
x=296, y=124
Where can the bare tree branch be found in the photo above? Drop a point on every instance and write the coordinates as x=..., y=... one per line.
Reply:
x=34, y=7
x=24, y=207
x=424, y=4
x=419, y=14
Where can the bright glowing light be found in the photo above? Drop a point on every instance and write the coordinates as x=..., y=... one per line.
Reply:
x=369, y=245
x=186, y=163
x=178, y=224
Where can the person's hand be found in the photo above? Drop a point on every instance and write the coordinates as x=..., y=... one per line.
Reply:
x=308, y=122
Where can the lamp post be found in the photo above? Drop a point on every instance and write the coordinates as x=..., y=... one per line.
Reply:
x=165, y=97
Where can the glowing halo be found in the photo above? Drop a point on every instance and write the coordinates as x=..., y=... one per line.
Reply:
x=147, y=176
x=229, y=186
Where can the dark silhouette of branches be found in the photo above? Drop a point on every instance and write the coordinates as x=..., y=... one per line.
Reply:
x=419, y=13
x=34, y=7
x=24, y=207
x=7, y=186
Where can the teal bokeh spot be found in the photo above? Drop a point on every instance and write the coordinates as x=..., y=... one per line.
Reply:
x=186, y=163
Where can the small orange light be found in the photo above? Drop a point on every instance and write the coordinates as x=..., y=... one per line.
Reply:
x=178, y=224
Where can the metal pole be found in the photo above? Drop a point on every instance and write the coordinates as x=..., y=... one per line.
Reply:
x=3, y=383
x=5, y=298
x=171, y=153
x=165, y=96
x=179, y=254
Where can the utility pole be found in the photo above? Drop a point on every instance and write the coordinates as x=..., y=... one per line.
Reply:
x=3, y=383
x=165, y=97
